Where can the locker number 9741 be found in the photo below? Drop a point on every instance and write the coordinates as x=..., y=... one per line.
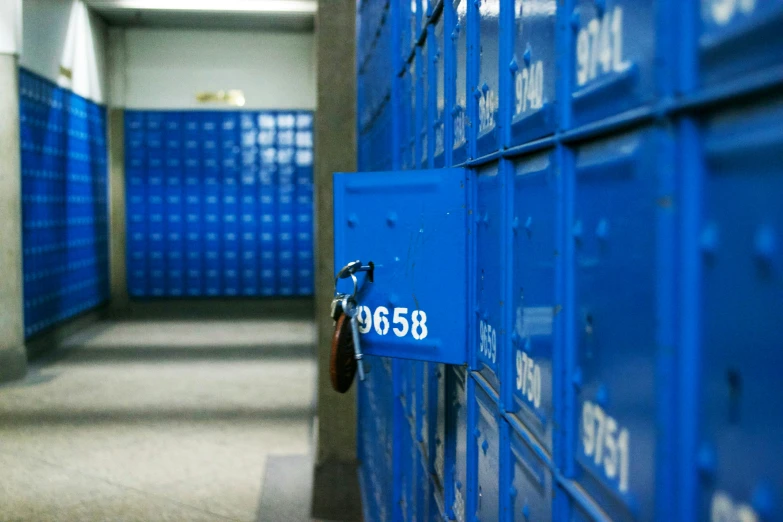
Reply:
x=379, y=319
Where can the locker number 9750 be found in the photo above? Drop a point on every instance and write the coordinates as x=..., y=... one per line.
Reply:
x=416, y=326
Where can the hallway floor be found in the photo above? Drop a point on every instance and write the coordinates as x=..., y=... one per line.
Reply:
x=153, y=419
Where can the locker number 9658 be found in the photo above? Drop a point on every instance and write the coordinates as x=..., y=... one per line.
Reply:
x=379, y=319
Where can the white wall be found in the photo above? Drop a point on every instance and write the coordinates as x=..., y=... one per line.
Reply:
x=165, y=68
x=10, y=26
x=63, y=33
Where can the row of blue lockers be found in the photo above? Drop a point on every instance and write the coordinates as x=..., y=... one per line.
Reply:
x=219, y=203
x=64, y=203
x=626, y=160
x=479, y=77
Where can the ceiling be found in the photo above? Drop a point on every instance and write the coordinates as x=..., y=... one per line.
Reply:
x=265, y=15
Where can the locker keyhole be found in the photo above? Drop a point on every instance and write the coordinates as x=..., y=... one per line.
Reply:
x=589, y=337
x=734, y=381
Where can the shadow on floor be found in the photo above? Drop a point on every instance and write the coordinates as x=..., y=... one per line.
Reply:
x=135, y=354
x=171, y=414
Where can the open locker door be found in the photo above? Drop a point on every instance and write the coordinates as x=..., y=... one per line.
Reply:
x=412, y=226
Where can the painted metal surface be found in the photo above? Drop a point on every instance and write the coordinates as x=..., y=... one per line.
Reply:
x=219, y=203
x=622, y=258
x=415, y=304
x=741, y=425
x=532, y=360
x=65, y=217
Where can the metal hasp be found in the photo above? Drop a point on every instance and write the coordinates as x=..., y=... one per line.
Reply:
x=352, y=268
x=413, y=225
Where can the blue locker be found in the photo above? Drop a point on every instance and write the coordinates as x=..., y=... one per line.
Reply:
x=63, y=202
x=410, y=136
x=483, y=33
x=457, y=490
x=572, y=505
x=534, y=294
x=614, y=54
x=530, y=492
x=439, y=401
x=424, y=96
x=437, y=90
x=217, y=196
x=533, y=67
x=485, y=442
x=741, y=431
x=489, y=339
x=737, y=40
x=456, y=72
x=620, y=309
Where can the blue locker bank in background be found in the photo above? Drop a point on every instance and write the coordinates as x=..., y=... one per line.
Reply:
x=578, y=241
x=65, y=215
x=219, y=203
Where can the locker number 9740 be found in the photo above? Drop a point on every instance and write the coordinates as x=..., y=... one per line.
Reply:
x=400, y=324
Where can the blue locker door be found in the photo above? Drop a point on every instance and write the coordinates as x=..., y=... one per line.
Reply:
x=533, y=70
x=614, y=57
x=741, y=436
x=534, y=297
x=619, y=234
x=487, y=346
x=413, y=227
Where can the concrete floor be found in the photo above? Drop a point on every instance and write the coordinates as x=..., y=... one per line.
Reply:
x=162, y=419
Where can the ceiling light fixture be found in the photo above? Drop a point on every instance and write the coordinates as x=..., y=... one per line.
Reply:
x=216, y=6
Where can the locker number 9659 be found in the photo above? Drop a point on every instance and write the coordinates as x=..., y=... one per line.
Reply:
x=379, y=319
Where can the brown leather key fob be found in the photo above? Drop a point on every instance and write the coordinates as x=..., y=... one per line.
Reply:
x=342, y=360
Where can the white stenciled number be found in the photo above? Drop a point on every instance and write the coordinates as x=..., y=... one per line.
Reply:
x=488, y=341
x=400, y=322
x=488, y=105
x=530, y=87
x=365, y=319
x=419, y=328
x=723, y=11
x=606, y=443
x=529, y=378
x=416, y=326
x=381, y=320
x=724, y=509
x=623, y=454
x=610, y=441
x=459, y=126
x=599, y=47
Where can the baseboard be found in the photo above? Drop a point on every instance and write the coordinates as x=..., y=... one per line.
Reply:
x=48, y=340
x=336, y=494
x=13, y=363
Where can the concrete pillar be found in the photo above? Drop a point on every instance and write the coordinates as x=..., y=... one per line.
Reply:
x=116, y=58
x=335, y=489
x=117, y=263
x=13, y=360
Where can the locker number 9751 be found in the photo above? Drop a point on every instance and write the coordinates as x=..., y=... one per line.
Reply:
x=399, y=324
x=606, y=442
